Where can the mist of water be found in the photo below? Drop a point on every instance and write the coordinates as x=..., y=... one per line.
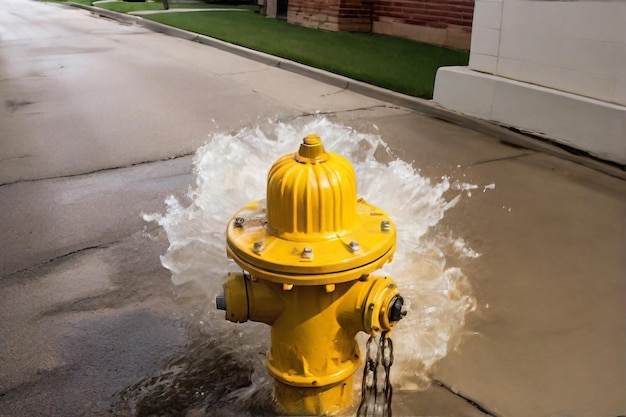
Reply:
x=231, y=171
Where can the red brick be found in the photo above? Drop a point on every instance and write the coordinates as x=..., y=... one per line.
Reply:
x=442, y=14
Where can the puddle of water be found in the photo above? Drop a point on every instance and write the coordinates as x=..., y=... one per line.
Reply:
x=221, y=373
x=224, y=365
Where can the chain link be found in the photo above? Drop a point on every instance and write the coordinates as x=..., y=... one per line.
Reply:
x=375, y=400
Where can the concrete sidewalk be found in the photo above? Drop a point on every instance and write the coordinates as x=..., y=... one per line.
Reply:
x=99, y=124
x=427, y=107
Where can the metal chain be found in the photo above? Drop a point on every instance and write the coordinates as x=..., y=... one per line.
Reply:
x=386, y=346
x=368, y=387
x=375, y=403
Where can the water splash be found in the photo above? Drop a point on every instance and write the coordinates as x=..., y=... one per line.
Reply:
x=231, y=171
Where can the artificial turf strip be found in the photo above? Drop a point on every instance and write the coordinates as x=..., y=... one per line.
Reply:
x=397, y=64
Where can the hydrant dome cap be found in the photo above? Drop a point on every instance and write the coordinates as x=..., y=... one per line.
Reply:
x=311, y=195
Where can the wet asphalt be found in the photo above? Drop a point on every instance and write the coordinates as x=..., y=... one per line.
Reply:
x=99, y=120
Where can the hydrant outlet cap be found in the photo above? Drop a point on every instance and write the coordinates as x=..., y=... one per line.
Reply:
x=220, y=302
x=397, y=310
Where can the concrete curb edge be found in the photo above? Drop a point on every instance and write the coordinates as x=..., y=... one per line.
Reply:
x=426, y=107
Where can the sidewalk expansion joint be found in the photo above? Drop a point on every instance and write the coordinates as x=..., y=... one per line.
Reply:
x=332, y=112
x=506, y=158
x=97, y=171
x=471, y=402
x=339, y=91
x=60, y=258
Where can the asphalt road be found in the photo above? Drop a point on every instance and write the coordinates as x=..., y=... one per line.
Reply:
x=98, y=122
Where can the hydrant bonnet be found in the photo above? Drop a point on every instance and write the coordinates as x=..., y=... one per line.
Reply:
x=312, y=229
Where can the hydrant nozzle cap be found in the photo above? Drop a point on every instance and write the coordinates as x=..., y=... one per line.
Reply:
x=397, y=310
x=311, y=147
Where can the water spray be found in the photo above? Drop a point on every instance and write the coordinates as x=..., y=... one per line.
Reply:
x=228, y=175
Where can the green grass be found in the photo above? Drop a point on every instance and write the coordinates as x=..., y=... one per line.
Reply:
x=85, y=2
x=125, y=7
x=397, y=64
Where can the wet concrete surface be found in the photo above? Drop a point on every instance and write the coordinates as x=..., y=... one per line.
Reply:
x=97, y=124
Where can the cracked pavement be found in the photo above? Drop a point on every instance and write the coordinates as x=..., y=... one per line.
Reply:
x=98, y=122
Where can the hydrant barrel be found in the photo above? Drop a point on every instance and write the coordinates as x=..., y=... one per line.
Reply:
x=308, y=252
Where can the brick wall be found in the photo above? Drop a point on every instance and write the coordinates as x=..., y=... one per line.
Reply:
x=442, y=14
x=337, y=15
x=441, y=22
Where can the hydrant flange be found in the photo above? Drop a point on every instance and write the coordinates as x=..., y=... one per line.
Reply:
x=257, y=248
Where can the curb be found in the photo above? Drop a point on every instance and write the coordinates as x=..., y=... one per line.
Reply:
x=426, y=107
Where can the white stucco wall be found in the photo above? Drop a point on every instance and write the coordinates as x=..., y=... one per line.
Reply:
x=547, y=47
x=574, y=46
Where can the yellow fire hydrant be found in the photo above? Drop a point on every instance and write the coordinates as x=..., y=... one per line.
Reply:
x=307, y=253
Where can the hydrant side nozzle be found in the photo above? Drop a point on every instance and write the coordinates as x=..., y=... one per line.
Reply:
x=235, y=298
x=249, y=299
x=367, y=305
x=382, y=294
x=264, y=302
